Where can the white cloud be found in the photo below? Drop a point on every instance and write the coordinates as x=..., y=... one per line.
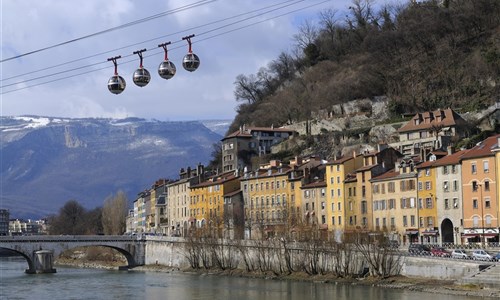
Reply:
x=205, y=93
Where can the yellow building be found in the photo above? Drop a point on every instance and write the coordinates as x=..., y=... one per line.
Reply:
x=394, y=198
x=336, y=206
x=266, y=199
x=427, y=203
x=352, y=209
x=207, y=199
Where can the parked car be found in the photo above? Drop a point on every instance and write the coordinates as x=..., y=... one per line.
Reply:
x=441, y=252
x=481, y=255
x=496, y=256
x=459, y=253
x=419, y=249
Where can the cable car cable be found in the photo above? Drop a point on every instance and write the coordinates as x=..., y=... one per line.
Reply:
x=188, y=6
x=140, y=43
x=158, y=52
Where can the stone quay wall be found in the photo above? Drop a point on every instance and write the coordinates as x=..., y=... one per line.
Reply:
x=170, y=252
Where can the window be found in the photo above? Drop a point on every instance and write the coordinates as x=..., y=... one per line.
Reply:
x=446, y=186
x=391, y=187
x=420, y=185
x=332, y=193
x=403, y=202
x=445, y=170
x=363, y=207
x=333, y=220
x=412, y=220
x=339, y=206
x=340, y=220
x=486, y=185
x=323, y=206
x=338, y=192
x=323, y=192
x=474, y=186
x=428, y=185
x=363, y=191
x=474, y=203
x=420, y=203
x=488, y=220
x=487, y=203
x=323, y=219
x=455, y=185
x=405, y=221
x=454, y=169
x=455, y=202
x=475, y=221
x=350, y=192
x=392, y=203
x=306, y=194
x=393, y=222
x=428, y=202
x=486, y=167
x=446, y=203
x=473, y=168
x=427, y=172
x=421, y=222
x=354, y=191
x=430, y=221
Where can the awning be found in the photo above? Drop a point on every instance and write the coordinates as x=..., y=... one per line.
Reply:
x=430, y=232
x=411, y=231
x=479, y=234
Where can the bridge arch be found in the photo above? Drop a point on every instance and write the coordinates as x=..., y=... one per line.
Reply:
x=29, y=260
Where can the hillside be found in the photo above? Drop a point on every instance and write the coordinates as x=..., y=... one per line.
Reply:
x=48, y=161
x=420, y=56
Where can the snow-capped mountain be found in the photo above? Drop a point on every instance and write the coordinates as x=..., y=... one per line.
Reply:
x=46, y=161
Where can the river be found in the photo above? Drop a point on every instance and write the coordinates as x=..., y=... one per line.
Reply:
x=75, y=283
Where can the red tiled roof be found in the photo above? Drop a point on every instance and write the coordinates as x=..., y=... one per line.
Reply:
x=232, y=193
x=314, y=185
x=340, y=160
x=218, y=179
x=428, y=119
x=365, y=168
x=452, y=159
x=389, y=174
x=426, y=164
x=483, y=149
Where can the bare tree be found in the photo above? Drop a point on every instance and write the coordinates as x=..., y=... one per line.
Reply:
x=70, y=219
x=114, y=214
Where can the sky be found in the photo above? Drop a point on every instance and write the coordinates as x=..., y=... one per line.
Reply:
x=79, y=70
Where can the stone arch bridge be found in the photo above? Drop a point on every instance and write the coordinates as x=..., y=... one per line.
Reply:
x=39, y=250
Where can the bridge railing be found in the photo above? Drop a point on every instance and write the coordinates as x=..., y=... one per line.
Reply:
x=69, y=238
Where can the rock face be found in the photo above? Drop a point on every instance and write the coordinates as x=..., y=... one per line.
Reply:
x=48, y=161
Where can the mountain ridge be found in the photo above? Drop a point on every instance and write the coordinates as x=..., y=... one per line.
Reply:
x=46, y=161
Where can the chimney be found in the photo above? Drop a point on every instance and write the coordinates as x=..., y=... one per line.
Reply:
x=449, y=149
x=354, y=153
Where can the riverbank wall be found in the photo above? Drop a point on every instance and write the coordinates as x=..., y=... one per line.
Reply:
x=171, y=252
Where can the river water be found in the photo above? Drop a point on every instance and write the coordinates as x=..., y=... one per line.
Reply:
x=74, y=283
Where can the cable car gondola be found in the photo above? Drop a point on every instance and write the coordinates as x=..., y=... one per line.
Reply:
x=191, y=61
x=116, y=84
x=141, y=76
x=167, y=69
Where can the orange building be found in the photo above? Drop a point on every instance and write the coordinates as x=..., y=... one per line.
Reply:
x=480, y=193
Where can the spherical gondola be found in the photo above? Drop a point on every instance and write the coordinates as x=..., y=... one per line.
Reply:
x=141, y=77
x=191, y=62
x=116, y=84
x=167, y=69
